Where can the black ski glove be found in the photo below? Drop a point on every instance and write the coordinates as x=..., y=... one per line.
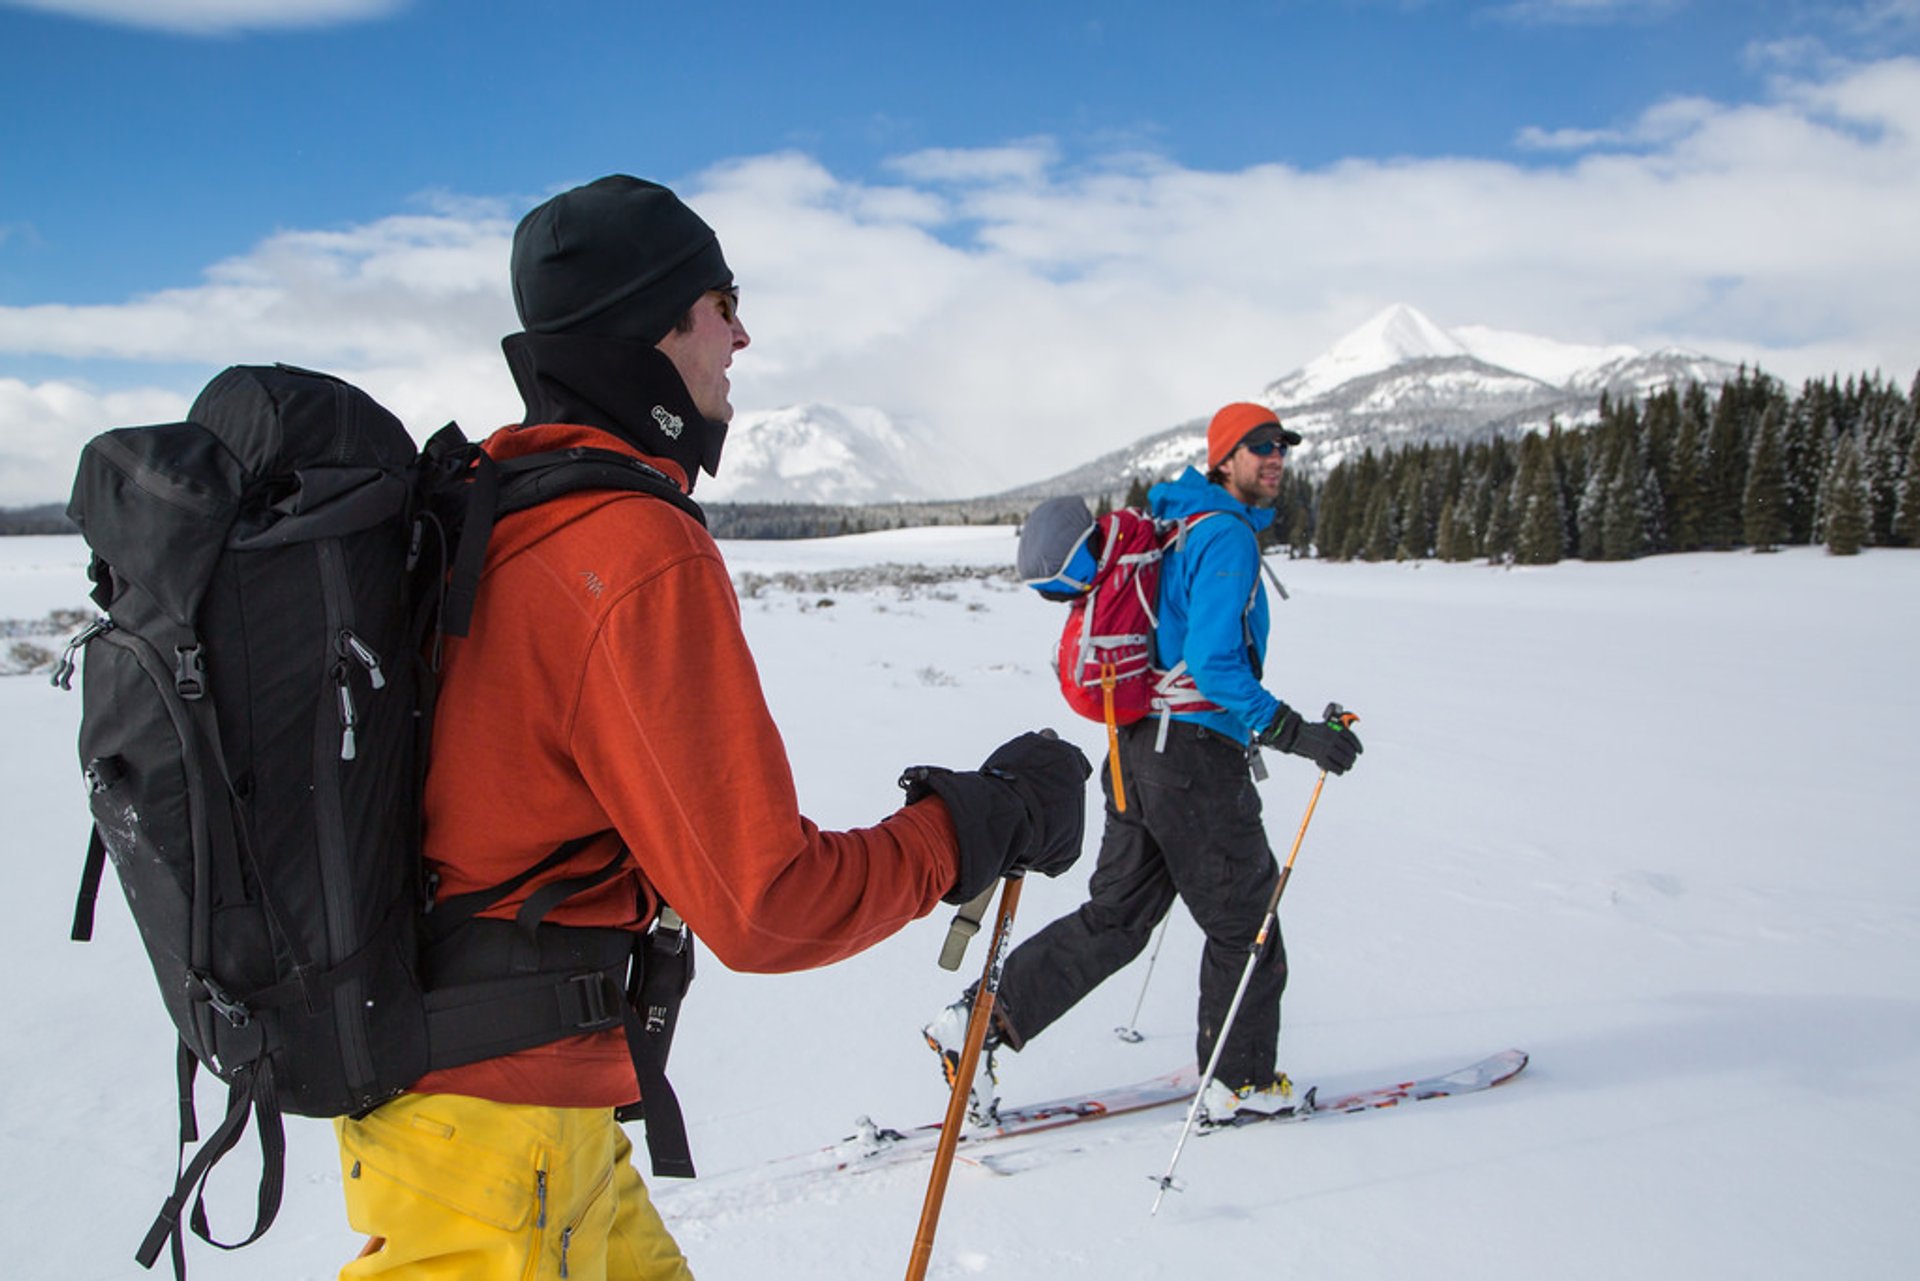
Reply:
x=1329, y=743
x=1023, y=810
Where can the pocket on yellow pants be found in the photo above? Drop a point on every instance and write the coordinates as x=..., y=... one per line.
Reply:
x=477, y=1158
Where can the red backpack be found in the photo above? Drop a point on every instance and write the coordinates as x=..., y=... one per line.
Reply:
x=1108, y=570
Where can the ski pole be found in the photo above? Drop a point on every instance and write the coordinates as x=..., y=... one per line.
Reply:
x=1131, y=1032
x=1334, y=712
x=977, y=1023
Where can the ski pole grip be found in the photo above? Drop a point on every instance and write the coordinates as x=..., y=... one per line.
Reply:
x=966, y=924
x=1335, y=712
x=966, y=921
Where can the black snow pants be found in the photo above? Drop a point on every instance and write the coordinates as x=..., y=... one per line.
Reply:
x=1191, y=828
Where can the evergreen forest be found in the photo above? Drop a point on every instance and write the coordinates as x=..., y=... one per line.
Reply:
x=1750, y=465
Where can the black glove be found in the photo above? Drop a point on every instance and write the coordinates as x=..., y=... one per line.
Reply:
x=1330, y=744
x=1023, y=810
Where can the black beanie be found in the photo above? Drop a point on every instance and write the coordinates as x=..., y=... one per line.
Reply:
x=619, y=258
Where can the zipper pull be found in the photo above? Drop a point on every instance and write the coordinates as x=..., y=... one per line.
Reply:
x=353, y=647
x=69, y=657
x=566, y=1242
x=540, y=1192
x=349, y=717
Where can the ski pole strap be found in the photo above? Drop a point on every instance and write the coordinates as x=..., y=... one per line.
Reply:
x=663, y=972
x=966, y=924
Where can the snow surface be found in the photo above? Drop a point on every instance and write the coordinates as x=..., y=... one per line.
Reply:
x=1653, y=822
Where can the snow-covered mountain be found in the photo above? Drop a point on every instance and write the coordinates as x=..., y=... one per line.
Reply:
x=1402, y=379
x=1397, y=379
x=818, y=453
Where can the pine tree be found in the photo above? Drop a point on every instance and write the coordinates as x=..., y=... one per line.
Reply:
x=1847, y=501
x=1540, y=538
x=1687, y=496
x=1763, y=508
x=1906, y=521
x=1592, y=510
x=1414, y=537
x=1329, y=523
x=1805, y=453
x=1623, y=530
x=1381, y=524
x=1502, y=522
x=1661, y=429
x=1724, y=468
x=1447, y=536
x=1300, y=532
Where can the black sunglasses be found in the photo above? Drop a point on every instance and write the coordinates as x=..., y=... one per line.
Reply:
x=1267, y=448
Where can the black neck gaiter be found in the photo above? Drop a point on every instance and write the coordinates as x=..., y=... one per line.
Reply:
x=619, y=385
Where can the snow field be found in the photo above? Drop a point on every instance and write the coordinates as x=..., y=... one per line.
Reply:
x=1652, y=822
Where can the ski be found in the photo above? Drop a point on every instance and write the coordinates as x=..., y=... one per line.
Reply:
x=1495, y=1069
x=874, y=1147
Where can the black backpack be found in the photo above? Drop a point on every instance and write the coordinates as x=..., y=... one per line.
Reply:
x=257, y=700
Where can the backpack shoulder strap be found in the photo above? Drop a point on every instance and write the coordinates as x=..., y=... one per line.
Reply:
x=494, y=488
x=533, y=479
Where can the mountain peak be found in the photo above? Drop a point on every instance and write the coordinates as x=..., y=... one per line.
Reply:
x=1390, y=337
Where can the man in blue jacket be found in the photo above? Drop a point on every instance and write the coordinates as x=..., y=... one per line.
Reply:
x=1192, y=825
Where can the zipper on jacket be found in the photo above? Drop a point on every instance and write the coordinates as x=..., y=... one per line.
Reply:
x=566, y=1243
x=540, y=1197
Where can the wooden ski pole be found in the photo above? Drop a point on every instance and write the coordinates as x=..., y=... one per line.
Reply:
x=977, y=1023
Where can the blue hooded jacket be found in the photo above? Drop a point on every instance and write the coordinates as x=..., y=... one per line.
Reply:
x=1205, y=618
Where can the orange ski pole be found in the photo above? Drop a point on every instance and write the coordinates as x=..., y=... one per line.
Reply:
x=977, y=1024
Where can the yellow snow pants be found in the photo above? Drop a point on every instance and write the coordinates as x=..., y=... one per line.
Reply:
x=452, y=1187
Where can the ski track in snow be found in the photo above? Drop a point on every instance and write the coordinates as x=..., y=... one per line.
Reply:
x=1652, y=822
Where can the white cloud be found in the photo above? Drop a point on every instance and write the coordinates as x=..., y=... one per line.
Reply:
x=1035, y=313
x=43, y=425
x=215, y=17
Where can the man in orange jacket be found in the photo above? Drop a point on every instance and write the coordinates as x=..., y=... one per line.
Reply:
x=605, y=702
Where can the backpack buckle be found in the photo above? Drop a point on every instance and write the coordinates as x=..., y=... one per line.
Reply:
x=594, y=1010
x=669, y=934
x=189, y=672
x=216, y=996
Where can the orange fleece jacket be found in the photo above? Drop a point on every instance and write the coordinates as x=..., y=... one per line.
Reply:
x=606, y=684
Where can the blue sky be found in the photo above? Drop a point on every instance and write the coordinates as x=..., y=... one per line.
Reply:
x=1064, y=223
